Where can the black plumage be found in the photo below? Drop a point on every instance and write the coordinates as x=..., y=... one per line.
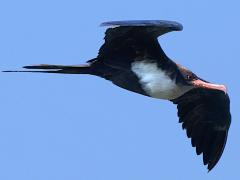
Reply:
x=205, y=114
x=132, y=58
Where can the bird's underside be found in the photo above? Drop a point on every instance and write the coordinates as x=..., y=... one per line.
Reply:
x=132, y=58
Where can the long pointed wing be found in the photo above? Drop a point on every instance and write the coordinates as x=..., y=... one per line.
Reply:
x=126, y=41
x=153, y=27
x=205, y=114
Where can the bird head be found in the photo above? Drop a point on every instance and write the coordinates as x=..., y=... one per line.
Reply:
x=193, y=80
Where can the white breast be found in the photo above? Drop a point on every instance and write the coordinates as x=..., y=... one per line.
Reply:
x=156, y=82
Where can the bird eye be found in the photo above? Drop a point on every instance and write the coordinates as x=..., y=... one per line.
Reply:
x=189, y=77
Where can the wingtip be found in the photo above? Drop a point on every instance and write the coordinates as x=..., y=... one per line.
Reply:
x=108, y=23
x=209, y=169
x=211, y=166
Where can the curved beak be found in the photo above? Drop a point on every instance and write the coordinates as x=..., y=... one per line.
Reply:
x=202, y=84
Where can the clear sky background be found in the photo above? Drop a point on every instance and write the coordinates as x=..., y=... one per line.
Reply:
x=79, y=127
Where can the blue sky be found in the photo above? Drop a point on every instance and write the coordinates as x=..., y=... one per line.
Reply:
x=83, y=127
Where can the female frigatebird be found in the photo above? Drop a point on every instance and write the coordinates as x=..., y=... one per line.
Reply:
x=132, y=58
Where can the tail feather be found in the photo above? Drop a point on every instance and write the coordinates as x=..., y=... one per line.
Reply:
x=50, y=66
x=47, y=68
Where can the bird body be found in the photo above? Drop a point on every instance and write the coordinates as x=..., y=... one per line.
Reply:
x=132, y=58
x=155, y=81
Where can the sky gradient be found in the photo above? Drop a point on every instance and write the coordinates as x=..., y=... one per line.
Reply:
x=80, y=127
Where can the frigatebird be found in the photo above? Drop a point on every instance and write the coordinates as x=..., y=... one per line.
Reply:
x=132, y=58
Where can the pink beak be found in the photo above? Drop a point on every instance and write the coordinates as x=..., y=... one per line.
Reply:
x=201, y=84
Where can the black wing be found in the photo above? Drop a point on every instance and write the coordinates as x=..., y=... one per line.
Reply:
x=205, y=114
x=127, y=41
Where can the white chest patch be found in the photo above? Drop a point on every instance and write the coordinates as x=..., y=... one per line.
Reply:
x=156, y=82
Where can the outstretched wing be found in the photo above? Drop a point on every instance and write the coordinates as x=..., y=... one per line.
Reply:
x=205, y=114
x=153, y=27
x=127, y=41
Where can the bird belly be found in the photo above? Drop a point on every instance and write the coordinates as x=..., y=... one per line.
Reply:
x=155, y=82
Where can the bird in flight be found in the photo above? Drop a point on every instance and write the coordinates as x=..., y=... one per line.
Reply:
x=132, y=58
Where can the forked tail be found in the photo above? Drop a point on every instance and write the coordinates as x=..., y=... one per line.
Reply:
x=47, y=68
